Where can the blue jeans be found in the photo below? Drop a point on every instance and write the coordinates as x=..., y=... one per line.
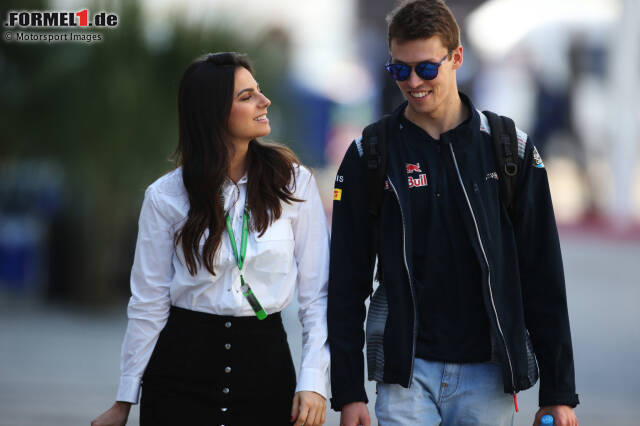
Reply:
x=449, y=395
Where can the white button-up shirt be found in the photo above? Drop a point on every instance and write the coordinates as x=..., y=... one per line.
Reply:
x=292, y=254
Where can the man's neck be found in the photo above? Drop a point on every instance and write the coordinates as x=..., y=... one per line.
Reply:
x=449, y=115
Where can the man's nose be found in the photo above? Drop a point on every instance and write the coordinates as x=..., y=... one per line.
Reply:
x=414, y=80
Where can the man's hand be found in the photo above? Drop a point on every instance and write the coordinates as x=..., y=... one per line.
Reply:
x=115, y=416
x=309, y=409
x=563, y=415
x=355, y=414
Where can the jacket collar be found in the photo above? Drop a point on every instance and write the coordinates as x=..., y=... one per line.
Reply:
x=461, y=136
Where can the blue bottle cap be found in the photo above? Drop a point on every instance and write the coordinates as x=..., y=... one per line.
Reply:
x=546, y=420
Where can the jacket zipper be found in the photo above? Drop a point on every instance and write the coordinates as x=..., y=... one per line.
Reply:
x=493, y=304
x=406, y=265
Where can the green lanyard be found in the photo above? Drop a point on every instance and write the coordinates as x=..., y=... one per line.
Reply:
x=243, y=243
x=246, y=289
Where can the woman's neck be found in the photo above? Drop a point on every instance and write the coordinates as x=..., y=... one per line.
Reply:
x=238, y=162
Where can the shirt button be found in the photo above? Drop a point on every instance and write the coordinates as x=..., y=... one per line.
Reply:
x=437, y=195
x=225, y=390
x=227, y=324
x=227, y=346
x=227, y=369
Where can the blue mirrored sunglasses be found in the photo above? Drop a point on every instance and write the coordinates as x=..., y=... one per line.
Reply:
x=426, y=70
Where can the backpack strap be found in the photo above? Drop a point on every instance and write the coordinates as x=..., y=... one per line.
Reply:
x=374, y=146
x=505, y=150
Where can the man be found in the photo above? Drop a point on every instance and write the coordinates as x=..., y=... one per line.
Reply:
x=469, y=290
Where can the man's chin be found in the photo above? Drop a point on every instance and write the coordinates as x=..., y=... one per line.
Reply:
x=421, y=108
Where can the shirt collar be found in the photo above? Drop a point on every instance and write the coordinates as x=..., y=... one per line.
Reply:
x=231, y=191
x=229, y=183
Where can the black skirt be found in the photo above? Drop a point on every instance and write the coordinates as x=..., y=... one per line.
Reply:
x=218, y=370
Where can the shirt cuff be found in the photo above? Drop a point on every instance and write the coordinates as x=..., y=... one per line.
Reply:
x=129, y=389
x=313, y=379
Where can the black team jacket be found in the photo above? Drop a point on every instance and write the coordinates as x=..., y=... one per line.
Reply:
x=522, y=274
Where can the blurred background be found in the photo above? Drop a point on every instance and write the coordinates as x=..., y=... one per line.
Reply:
x=86, y=127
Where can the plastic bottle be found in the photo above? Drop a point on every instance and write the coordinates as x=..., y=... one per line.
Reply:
x=546, y=420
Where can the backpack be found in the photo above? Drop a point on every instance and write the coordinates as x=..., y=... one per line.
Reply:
x=374, y=145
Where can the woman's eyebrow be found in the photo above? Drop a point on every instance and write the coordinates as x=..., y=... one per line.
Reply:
x=248, y=89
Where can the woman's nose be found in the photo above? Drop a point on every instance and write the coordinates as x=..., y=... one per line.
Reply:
x=265, y=102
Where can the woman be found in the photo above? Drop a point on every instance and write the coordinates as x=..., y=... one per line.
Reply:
x=225, y=240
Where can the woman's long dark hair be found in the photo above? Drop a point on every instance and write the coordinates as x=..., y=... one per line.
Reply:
x=204, y=104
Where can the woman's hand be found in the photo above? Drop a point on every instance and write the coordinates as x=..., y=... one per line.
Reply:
x=309, y=409
x=115, y=416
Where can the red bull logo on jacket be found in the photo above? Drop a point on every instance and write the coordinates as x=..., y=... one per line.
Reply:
x=413, y=168
x=421, y=180
x=418, y=182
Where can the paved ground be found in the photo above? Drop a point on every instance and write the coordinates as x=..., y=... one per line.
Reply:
x=59, y=366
